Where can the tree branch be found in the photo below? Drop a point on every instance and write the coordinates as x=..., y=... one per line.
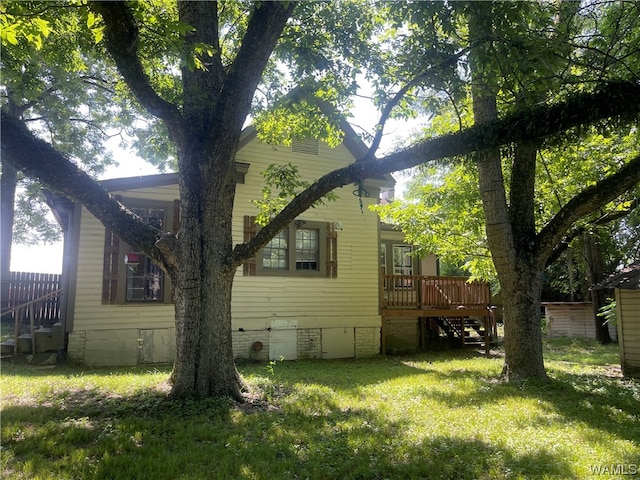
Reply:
x=264, y=30
x=619, y=100
x=121, y=33
x=386, y=111
x=579, y=230
x=201, y=86
x=586, y=202
x=37, y=158
x=618, y=214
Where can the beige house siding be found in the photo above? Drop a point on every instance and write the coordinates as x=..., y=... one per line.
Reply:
x=318, y=307
x=572, y=319
x=422, y=266
x=628, y=318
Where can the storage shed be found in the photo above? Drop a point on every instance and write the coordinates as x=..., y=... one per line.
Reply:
x=626, y=285
x=572, y=319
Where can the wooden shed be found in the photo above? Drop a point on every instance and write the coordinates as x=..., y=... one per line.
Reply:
x=572, y=319
x=626, y=285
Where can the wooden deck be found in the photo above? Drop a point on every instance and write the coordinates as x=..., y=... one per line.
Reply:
x=461, y=309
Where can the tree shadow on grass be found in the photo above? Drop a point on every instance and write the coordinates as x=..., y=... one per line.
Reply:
x=339, y=374
x=144, y=436
x=606, y=404
x=23, y=369
x=91, y=434
x=327, y=441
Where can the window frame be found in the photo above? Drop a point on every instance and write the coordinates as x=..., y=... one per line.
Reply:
x=405, y=248
x=291, y=270
x=124, y=248
x=144, y=261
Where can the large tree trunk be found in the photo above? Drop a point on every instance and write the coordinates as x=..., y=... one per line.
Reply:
x=510, y=227
x=8, y=184
x=521, y=286
x=204, y=363
x=216, y=104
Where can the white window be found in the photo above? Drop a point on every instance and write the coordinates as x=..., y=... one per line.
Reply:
x=402, y=261
x=296, y=250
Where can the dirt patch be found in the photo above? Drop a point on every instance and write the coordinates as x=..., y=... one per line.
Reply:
x=256, y=405
x=613, y=371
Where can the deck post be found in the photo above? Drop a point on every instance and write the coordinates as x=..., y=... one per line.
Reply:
x=33, y=330
x=487, y=325
x=382, y=307
x=16, y=331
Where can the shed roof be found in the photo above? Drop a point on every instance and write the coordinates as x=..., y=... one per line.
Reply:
x=627, y=279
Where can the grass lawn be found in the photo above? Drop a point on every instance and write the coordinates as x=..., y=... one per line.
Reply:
x=436, y=415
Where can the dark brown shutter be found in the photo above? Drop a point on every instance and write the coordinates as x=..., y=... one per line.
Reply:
x=332, y=251
x=250, y=230
x=176, y=216
x=110, y=265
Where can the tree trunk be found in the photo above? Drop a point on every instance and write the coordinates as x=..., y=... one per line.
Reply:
x=595, y=274
x=572, y=293
x=216, y=104
x=510, y=227
x=8, y=183
x=204, y=363
x=521, y=287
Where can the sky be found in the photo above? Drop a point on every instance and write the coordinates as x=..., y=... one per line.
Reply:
x=48, y=258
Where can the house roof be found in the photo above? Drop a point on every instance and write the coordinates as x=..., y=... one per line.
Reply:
x=159, y=179
x=61, y=207
x=626, y=279
x=352, y=142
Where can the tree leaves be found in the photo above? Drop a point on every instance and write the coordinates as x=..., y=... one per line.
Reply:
x=282, y=184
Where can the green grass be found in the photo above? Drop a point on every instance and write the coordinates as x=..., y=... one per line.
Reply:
x=6, y=331
x=440, y=415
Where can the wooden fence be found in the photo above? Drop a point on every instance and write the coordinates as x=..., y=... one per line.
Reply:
x=24, y=287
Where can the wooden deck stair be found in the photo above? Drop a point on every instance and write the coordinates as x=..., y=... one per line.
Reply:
x=38, y=326
x=460, y=309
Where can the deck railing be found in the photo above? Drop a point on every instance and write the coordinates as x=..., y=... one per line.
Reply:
x=418, y=291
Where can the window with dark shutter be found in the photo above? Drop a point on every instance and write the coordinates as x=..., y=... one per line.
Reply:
x=137, y=279
x=144, y=279
x=110, y=265
x=332, y=251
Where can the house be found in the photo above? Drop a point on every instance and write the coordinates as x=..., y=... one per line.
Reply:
x=421, y=310
x=118, y=307
x=626, y=285
x=402, y=334
x=571, y=319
